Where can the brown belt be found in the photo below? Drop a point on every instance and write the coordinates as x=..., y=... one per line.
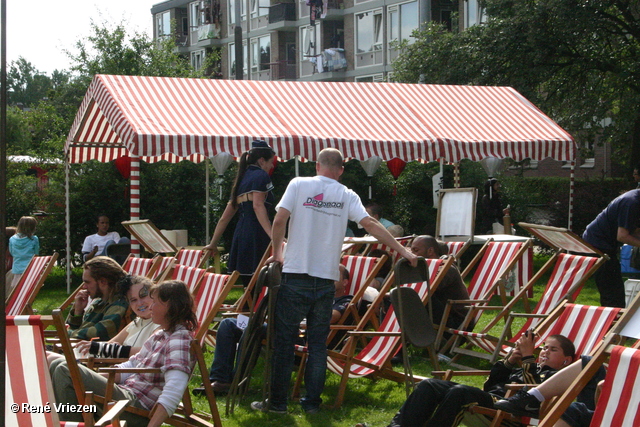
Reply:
x=246, y=197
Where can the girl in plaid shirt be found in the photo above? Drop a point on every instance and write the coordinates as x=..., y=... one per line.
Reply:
x=167, y=349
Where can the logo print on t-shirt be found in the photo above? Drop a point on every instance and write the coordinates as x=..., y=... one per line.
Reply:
x=318, y=202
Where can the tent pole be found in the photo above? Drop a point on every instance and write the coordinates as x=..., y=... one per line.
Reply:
x=572, y=178
x=134, y=203
x=67, y=221
x=206, y=198
x=297, y=163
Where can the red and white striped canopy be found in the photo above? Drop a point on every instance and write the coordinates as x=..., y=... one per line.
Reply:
x=172, y=119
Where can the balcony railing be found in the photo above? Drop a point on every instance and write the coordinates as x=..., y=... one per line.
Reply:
x=282, y=12
x=282, y=70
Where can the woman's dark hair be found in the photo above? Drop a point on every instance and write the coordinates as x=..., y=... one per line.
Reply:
x=127, y=282
x=181, y=307
x=260, y=150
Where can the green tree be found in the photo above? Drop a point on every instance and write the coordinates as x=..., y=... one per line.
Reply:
x=577, y=60
x=26, y=85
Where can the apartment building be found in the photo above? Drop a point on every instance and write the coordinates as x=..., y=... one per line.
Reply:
x=312, y=40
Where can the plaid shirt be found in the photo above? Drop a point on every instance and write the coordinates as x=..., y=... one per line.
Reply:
x=101, y=319
x=162, y=350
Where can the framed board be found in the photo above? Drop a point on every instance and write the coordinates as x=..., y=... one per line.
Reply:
x=149, y=236
x=456, y=212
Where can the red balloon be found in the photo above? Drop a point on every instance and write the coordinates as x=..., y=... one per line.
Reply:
x=123, y=164
x=275, y=165
x=396, y=166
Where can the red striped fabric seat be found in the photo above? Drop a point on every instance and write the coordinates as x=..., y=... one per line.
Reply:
x=140, y=266
x=360, y=269
x=455, y=248
x=619, y=403
x=565, y=282
x=395, y=256
x=190, y=257
x=209, y=298
x=165, y=263
x=189, y=275
x=30, y=283
x=380, y=349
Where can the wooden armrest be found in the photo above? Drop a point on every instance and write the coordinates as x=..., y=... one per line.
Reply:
x=466, y=301
x=474, y=372
x=527, y=315
x=382, y=334
x=131, y=370
x=116, y=409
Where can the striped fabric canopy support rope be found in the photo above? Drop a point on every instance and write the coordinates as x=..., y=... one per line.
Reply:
x=174, y=119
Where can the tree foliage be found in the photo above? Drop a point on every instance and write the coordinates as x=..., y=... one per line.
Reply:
x=578, y=60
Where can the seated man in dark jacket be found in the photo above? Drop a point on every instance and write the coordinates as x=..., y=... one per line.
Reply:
x=442, y=403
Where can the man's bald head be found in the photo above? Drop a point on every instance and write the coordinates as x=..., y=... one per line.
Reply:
x=425, y=246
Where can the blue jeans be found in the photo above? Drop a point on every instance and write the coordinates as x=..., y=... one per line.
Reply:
x=227, y=339
x=301, y=296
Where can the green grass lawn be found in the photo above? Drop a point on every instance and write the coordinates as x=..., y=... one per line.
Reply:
x=374, y=402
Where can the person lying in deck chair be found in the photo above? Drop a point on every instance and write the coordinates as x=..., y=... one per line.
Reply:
x=230, y=335
x=441, y=403
x=527, y=403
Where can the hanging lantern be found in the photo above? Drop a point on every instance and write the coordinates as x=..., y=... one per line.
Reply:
x=370, y=166
x=491, y=165
x=396, y=166
x=221, y=162
x=123, y=164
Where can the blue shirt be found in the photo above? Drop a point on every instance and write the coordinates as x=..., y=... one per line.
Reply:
x=623, y=211
x=22, y=250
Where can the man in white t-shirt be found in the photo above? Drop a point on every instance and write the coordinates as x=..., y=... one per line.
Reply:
x=95, y=244
x=317, y=209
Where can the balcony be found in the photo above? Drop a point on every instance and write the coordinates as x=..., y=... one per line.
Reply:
x=282, y=12
x=282, y=70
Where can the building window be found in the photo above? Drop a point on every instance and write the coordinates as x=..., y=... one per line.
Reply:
x=369, y=31
x=232, y=11
x=473, y=13
x=259, y=8
x=310, y=39
x=232, y=59
x=197, y=59
x=375, y=78
x=163, y=24
x=260, y=53
x=403, y=20
x=194, y=15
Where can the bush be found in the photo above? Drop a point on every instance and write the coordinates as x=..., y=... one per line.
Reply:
x=57, y=278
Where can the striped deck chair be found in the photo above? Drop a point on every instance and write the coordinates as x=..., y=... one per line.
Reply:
x=375, y=358
x=192, y=276
x=569, y=275
x=22, y=296
x=456, y=249
x=141, y=266
x=165, y=266
x=192, y=257
x=619, y=402
x=27, y=378
x=437, y=270
x=395, y=256
x=209, y=298
x=362, y=272
x=495, y=261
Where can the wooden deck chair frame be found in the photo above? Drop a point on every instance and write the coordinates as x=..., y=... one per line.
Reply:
x=437, y=270
x=183, y=416
x=487, y=285
x=351, y=311
x=22, y=296
x=584, y=325
x=457, y=247
x=628, y=326
x=32, y=365
x=549, y=301
x=165, y=269
x=149, y=236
